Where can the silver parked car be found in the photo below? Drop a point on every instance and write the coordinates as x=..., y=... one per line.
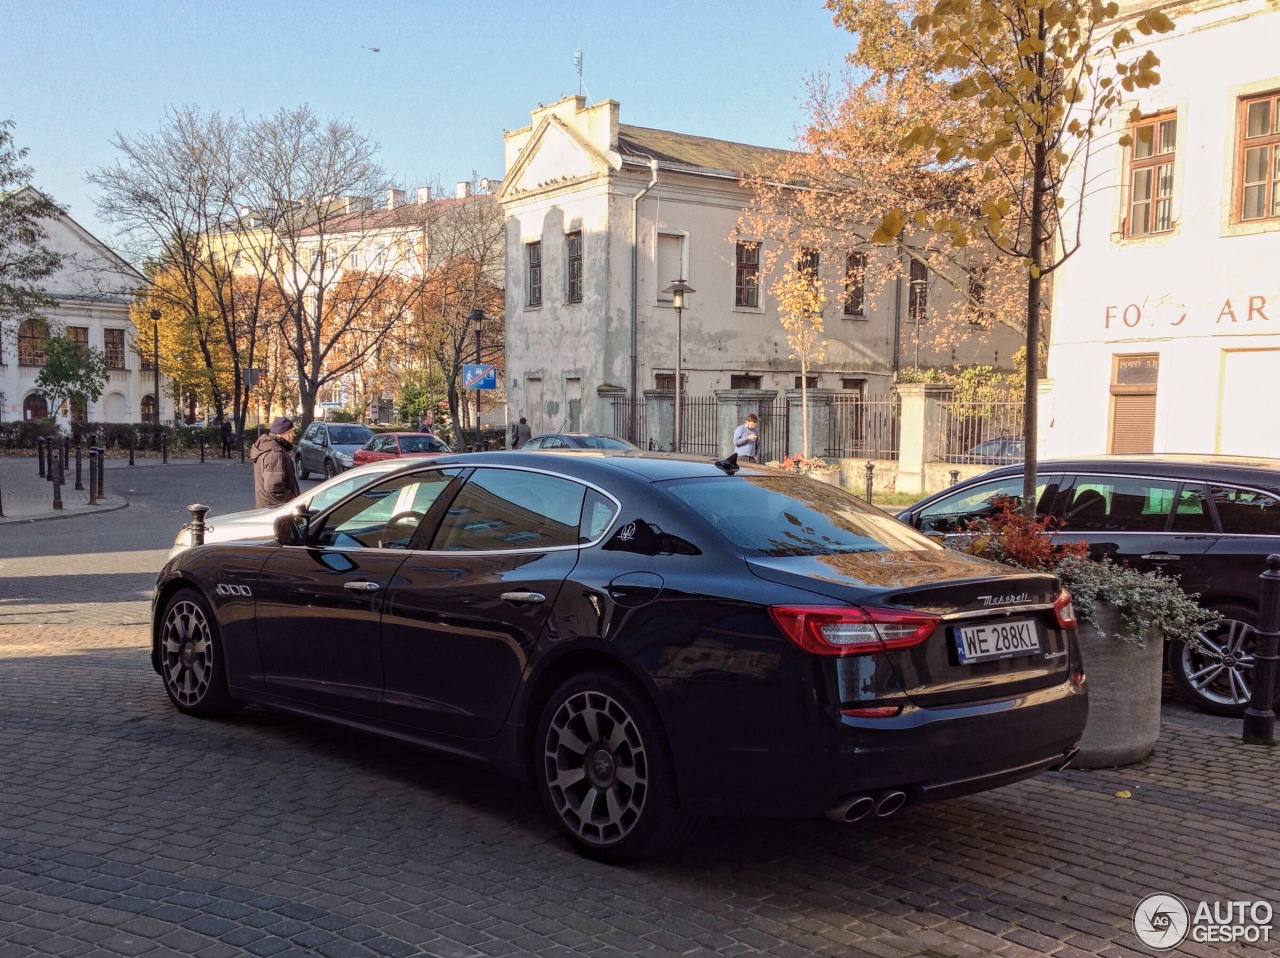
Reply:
x=327, y=447
x=260, y=523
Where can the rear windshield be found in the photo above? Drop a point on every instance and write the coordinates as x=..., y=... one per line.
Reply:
x=348, y=435
x=422, y=444
x=604, y=442
x=794, y=516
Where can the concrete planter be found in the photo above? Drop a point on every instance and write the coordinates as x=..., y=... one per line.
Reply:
x=1124, y=695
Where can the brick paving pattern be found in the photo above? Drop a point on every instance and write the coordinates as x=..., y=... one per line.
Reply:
x=127, y=828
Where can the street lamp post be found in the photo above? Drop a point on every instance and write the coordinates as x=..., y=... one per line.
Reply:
x=155, y=360
x=678, y=289
x=476, y=318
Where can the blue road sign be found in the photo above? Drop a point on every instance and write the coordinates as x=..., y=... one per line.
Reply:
x=478, y=376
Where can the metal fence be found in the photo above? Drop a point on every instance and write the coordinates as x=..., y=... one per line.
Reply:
x=982, y=432
x=863, y=428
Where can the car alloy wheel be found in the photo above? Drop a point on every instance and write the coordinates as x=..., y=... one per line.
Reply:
x=302, y=471
x=603, y=771
x=1214, y=671
x=191, y=657
x=329, y=470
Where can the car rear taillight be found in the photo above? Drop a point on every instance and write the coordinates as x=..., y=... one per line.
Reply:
x=1065, y=611
x=849, y=630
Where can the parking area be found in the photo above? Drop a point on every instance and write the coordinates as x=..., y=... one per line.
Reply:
x=127, y=828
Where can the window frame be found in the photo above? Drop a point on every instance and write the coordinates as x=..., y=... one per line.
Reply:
x=855, y=285
x=918, y=291
x=31, y=340
x=1160, y=166
x=114, y=351
x=746, y=274
x=1270, y=142
x=573, y=271
x=533, y=274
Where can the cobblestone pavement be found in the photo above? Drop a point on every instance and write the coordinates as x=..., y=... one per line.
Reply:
x=127, y=828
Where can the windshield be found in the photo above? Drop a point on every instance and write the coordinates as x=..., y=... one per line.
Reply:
x=605, y=442
x=794, y=516
x=349, y=435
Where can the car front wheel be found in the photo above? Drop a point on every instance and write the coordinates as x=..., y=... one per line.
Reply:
x=603, y=771
x=303, y=472
x=1214, y=671
x=191, y=660
x=330, y=470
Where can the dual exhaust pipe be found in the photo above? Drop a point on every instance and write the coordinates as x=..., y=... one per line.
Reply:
x=852, y=808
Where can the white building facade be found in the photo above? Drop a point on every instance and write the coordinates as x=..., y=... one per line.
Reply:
x=602, y=217
x=92, y=289
x=1166, y=322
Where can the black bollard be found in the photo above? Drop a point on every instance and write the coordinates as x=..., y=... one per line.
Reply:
x=133, y=441
x=40, y=453
x=66, y=456
x=241, y=439
x=164, y=447
x=1260, y=716
x=202, y=447
x=102, y=465
x=955, y=476
x=93, y=475
x=50, y=454
x=196, y=525
x=79, y=479
x=57, y=485
x=871, y=471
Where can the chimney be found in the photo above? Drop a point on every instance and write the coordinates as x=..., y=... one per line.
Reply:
x=395, y=198
x=463, y=189
x=424, y=195
x=356, y=204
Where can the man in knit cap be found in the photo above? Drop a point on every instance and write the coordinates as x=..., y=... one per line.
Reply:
x=274, y=480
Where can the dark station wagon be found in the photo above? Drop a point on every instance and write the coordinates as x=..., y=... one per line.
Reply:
x=1209, y=521
x=646, y=638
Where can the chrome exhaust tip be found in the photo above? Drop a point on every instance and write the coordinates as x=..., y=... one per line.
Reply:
x=851, y=809
x=889, y=803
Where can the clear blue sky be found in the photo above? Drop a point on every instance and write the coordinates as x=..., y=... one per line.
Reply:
x=449, y=77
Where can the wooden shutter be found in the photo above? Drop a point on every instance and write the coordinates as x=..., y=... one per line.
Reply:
x=1133, y=423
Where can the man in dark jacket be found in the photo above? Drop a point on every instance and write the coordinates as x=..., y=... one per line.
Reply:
x=274, y=480
x=228, y=436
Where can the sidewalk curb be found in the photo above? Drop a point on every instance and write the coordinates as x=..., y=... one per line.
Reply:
x=98, y=510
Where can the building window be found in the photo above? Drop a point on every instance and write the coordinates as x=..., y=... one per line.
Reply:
x=31, y=340
x=1151, y=155
x=808, y=263
x=664, y=381
x=573, y=276
x=113, y=346
x=669, y=256
x=1133, y=402
x=918, y=300
x=148, y=408
x=533, y=272
x=858, y=385
x=855, y=284
x=1259, y=157
x=811, y=382
x=79, y=335
x=746, y=282
x=744, y=382
x=979, y=312
x=35, y=407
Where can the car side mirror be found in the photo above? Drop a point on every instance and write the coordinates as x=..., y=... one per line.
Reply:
x=291, y=529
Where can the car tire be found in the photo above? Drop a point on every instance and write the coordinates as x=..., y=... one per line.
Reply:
x=330, y=470
x=1215, y=672
x=604, y=773
x=303, y=472
x=191, y=659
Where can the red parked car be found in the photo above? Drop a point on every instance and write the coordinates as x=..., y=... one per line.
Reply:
x=393, y=445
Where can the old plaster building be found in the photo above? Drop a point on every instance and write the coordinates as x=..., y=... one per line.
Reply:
x=93, y=289
x=1166, y=323
x=601, y=217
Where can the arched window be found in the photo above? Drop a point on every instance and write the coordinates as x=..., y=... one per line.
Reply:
x=148, y=408
x=31, y=339
x=34, y=407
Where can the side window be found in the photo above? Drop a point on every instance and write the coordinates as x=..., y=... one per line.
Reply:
x=597, y=514
x=384, y=516
x=1120, y=504
x=314, y=433
x=503, y=509
x=1192, y=511
x=952, y=513
x=1246, y=511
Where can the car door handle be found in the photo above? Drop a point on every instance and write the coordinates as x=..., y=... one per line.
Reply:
x=1161, y=557
x=523, y=597
x=362, y=586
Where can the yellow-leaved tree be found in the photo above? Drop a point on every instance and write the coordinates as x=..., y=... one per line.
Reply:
x=800, y=300
x=1051, y=75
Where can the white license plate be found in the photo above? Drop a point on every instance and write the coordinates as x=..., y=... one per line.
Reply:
x=996, y=640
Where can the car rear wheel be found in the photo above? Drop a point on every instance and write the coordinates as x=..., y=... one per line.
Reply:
x=191, y=661
x=303, y=472
x=1215, y=670
x=603, y=771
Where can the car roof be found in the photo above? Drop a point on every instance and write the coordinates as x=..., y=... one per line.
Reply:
x=597, y=463
x=1198, y=465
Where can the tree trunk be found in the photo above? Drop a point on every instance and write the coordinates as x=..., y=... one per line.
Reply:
x=804, y=408
x=1035, y=253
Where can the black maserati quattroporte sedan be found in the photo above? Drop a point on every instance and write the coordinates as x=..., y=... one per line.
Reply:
x=648, y=639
